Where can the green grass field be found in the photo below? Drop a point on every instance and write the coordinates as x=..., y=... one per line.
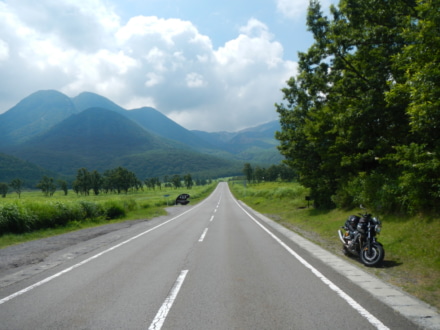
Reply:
x=135, y=205
x=412, y=244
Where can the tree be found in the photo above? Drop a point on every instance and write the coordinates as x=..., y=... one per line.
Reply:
x=418, y=162
x=260, y=174
x=17, y=185
x=188, y=181
x=63, y=186
x=4, y=187
x=177, y=182
x=248, y=172
x=83, y=182
x=152, y=183
x=120, y=180
x=47, y=186
x=95, y=182
x=337, y=122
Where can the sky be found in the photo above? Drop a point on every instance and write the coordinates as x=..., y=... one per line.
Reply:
x=207, y=65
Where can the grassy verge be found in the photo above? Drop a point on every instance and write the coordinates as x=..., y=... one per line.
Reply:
x=145, y=204
x=412, y=244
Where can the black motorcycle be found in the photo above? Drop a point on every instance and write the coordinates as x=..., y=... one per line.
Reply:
x=359, y=239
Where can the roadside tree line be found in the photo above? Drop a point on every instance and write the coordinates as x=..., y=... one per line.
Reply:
x=273, y=173
x=174, y=181
x=16, y=185
x=117, y=180
x=121, y=180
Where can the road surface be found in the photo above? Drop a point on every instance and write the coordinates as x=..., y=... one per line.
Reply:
x=214, y=265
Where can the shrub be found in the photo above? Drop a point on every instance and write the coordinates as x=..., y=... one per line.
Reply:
x=92, y=210
x=114, y=211
x=15, y=219
x=130, y=204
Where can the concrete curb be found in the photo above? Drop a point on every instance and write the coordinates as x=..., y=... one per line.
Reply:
x=406, y=305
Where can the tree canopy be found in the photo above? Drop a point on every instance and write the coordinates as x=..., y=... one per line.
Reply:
x=359, y=122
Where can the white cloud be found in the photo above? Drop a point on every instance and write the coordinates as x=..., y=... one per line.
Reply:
x=292, y=8
x=148, y=61
x=194, y=80
x=4, y=50
x=153, y=79
x=140, y=102
x=297, y=9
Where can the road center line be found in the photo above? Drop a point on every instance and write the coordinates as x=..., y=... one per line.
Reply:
x=355, y=305
x=50, y=278
x=212, y=218
x=161, y=315
x=203, y=235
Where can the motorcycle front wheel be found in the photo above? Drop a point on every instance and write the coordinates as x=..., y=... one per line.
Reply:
x=374, y=256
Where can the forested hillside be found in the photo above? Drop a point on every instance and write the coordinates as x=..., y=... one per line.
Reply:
x=360, y=122
x=48, y=131
x=12, y=168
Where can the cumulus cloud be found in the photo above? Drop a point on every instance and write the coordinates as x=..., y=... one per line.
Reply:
x=297, y=9
x=292, y=8
x=4, y=50
x=146, y=61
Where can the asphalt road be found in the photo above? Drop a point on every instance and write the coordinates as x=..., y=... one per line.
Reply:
x=214, y=265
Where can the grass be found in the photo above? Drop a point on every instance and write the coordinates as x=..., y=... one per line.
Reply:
x=145, y=204
x=412, y=244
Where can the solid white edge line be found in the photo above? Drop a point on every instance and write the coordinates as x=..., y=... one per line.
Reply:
x=161, y=315
x=50, y=278
x=355, y=305
x=203, y=235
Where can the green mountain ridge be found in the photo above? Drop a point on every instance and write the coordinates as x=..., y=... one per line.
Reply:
x=33, y=115
x=62, y=134
x=14, y=168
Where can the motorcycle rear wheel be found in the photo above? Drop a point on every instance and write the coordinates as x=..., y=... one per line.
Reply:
x=374, y=256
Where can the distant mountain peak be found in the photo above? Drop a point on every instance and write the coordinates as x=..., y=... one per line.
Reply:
x=63, y=134
x=34, y=114
x=87, y=100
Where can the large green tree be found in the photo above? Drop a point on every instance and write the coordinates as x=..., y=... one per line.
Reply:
x=418, y=162
x=337, y=124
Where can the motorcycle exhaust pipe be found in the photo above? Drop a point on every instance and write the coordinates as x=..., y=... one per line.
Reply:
x=341, y=237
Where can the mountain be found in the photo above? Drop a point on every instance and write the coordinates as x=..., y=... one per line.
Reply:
x=34, y=114
x=93, y=137
x=157, y=123
x=14, y=168
x=102, y=139
x=255, y=144
x=63, y=134
x=260, y=136
x=87, y=100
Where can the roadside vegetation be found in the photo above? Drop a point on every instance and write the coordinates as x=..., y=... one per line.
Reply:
x=359, y=121
x=412, y=248
x=34, y=215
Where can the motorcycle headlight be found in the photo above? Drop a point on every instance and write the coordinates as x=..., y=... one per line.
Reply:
x=378, y=228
